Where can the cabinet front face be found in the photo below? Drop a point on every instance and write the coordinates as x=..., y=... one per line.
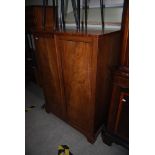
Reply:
x=47, y=63
x=122, y=121
x=75, y=59
x=119, y=113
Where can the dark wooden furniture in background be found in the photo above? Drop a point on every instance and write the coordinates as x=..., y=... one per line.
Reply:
x=118, y=120
x=34, y=18
x=34, y=22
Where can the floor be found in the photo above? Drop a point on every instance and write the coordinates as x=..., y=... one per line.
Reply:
x=45, y=132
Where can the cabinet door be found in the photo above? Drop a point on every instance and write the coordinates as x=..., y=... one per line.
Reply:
x=76, y=57
x=118, y=123
x=47, y=63
x=122, y=119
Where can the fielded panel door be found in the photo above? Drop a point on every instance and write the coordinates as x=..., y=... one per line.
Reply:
x=75, y=61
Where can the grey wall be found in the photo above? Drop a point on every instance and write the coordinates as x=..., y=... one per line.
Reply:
x=93, y=3
x=94, y=16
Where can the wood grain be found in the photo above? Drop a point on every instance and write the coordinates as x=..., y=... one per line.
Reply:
x=87, y=63
x=47, y=61
x=118, y=116
x=75, y=58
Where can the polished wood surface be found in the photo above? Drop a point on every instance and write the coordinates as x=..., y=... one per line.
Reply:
x=122, y=120
x=75, y=58
x=76, y=70
x=117, y=129
x=88, y=33
x=125, y=36
x=107, y=61
x=117, y=104
x=86, y=62
x=47, y=63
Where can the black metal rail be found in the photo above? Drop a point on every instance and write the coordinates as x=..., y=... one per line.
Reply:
x=78, y=12
x=102, y=5
x=75, y=12
x=63, y=14
x=86, y=16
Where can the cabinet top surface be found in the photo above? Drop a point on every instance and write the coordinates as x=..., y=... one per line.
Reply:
x=95, y=33
x=88, y=33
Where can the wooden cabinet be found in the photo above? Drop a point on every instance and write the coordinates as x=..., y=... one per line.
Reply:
x=117, y=129
x=76, y=70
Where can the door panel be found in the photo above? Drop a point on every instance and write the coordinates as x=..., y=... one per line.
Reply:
x=122, y=119
x=76, y=73
x=47, y=63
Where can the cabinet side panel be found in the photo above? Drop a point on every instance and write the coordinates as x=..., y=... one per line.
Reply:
x=107, y=61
